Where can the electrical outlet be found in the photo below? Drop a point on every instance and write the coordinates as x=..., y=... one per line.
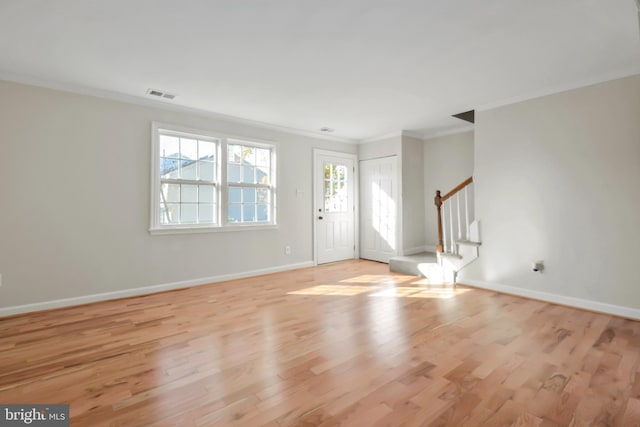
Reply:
x=537, y=266
x=287, y=250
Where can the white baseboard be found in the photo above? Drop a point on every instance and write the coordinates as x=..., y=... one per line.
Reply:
x=86, y=299
x=418, y=249
x=600, y=307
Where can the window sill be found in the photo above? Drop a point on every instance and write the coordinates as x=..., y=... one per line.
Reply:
x=228, y=228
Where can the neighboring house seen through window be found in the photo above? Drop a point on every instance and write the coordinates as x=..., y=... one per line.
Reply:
x=248, y=183
x=210, y=182
x=188, y=181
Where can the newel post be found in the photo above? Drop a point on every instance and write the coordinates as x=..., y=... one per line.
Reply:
x=438, y=201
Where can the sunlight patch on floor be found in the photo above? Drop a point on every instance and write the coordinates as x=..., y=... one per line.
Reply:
x=366, y=278
x=376, y=278
x=432, y=283
x=440, y=293
x=376, y=291
x=345, y=290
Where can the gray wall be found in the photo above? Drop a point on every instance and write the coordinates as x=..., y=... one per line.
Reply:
x=448, y=160
x=558, y=179
x=74, y=180
x=386, y=147
x=412, y=195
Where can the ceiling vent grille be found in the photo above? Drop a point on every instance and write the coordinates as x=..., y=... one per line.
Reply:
x=160, y=94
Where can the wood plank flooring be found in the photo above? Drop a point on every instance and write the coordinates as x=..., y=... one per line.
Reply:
x=342, y=344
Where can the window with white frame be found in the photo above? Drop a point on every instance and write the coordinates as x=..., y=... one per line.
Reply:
x=248, y=183
x=202, y=180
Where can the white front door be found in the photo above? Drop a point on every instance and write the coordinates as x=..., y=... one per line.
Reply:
x=334, y=213
x=378, y=208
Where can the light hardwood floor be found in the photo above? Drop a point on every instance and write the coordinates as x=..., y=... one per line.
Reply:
x=341, y=344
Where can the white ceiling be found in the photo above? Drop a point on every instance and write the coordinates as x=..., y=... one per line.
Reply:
x=363, y=67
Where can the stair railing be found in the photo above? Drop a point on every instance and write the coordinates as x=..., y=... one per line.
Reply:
x=450, y=231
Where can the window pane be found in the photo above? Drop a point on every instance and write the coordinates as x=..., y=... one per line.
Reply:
x=248, y=155
x=206, y=150
x=189, y=169
x=263, y=157
x=189, y=194
x=263, y=195
x=207, y=171
x=234, y=154
x=335, y=190
x=169, y=167
x=188, y=213
x=169, y=146
x=234, y=214
x=188, y=148
x=205, y=213
x=248, y=174
x=262, y=176
x=235, y=194
x=169, y=213
x=233, y=173
x=249, y=213
x=263, y=212
x=249, y=195
x=205, y=193
x=170, y=193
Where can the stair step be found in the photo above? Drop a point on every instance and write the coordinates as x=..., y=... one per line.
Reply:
x=450, y=255
x=468, y=243
x=412, y=264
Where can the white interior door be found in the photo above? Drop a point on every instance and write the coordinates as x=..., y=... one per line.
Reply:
x=378, y=208
x=334, y=212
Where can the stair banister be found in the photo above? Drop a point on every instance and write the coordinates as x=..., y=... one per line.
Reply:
x=439, y=200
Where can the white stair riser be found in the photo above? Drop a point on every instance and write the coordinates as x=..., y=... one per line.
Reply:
x=467, y=252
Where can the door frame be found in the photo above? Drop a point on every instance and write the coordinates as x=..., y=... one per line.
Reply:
x=317, y=152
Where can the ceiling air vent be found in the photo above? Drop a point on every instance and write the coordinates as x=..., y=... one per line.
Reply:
x=160, y=94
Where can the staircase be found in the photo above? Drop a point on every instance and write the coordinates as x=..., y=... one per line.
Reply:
x=458, y=239
x=422, y=264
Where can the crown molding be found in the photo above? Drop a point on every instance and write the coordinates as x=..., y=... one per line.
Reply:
x=447, y=132
x=551, y=90
x=381, y=137
x=413, y=134
x=164, y=105
x=398, y=133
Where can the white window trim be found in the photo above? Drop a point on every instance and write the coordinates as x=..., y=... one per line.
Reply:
x=220, y=183
x=224, y=184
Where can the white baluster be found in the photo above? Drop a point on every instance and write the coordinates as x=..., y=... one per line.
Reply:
x=458, y=209
x=453, y=246
x=466, y=211
x=444, y=227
